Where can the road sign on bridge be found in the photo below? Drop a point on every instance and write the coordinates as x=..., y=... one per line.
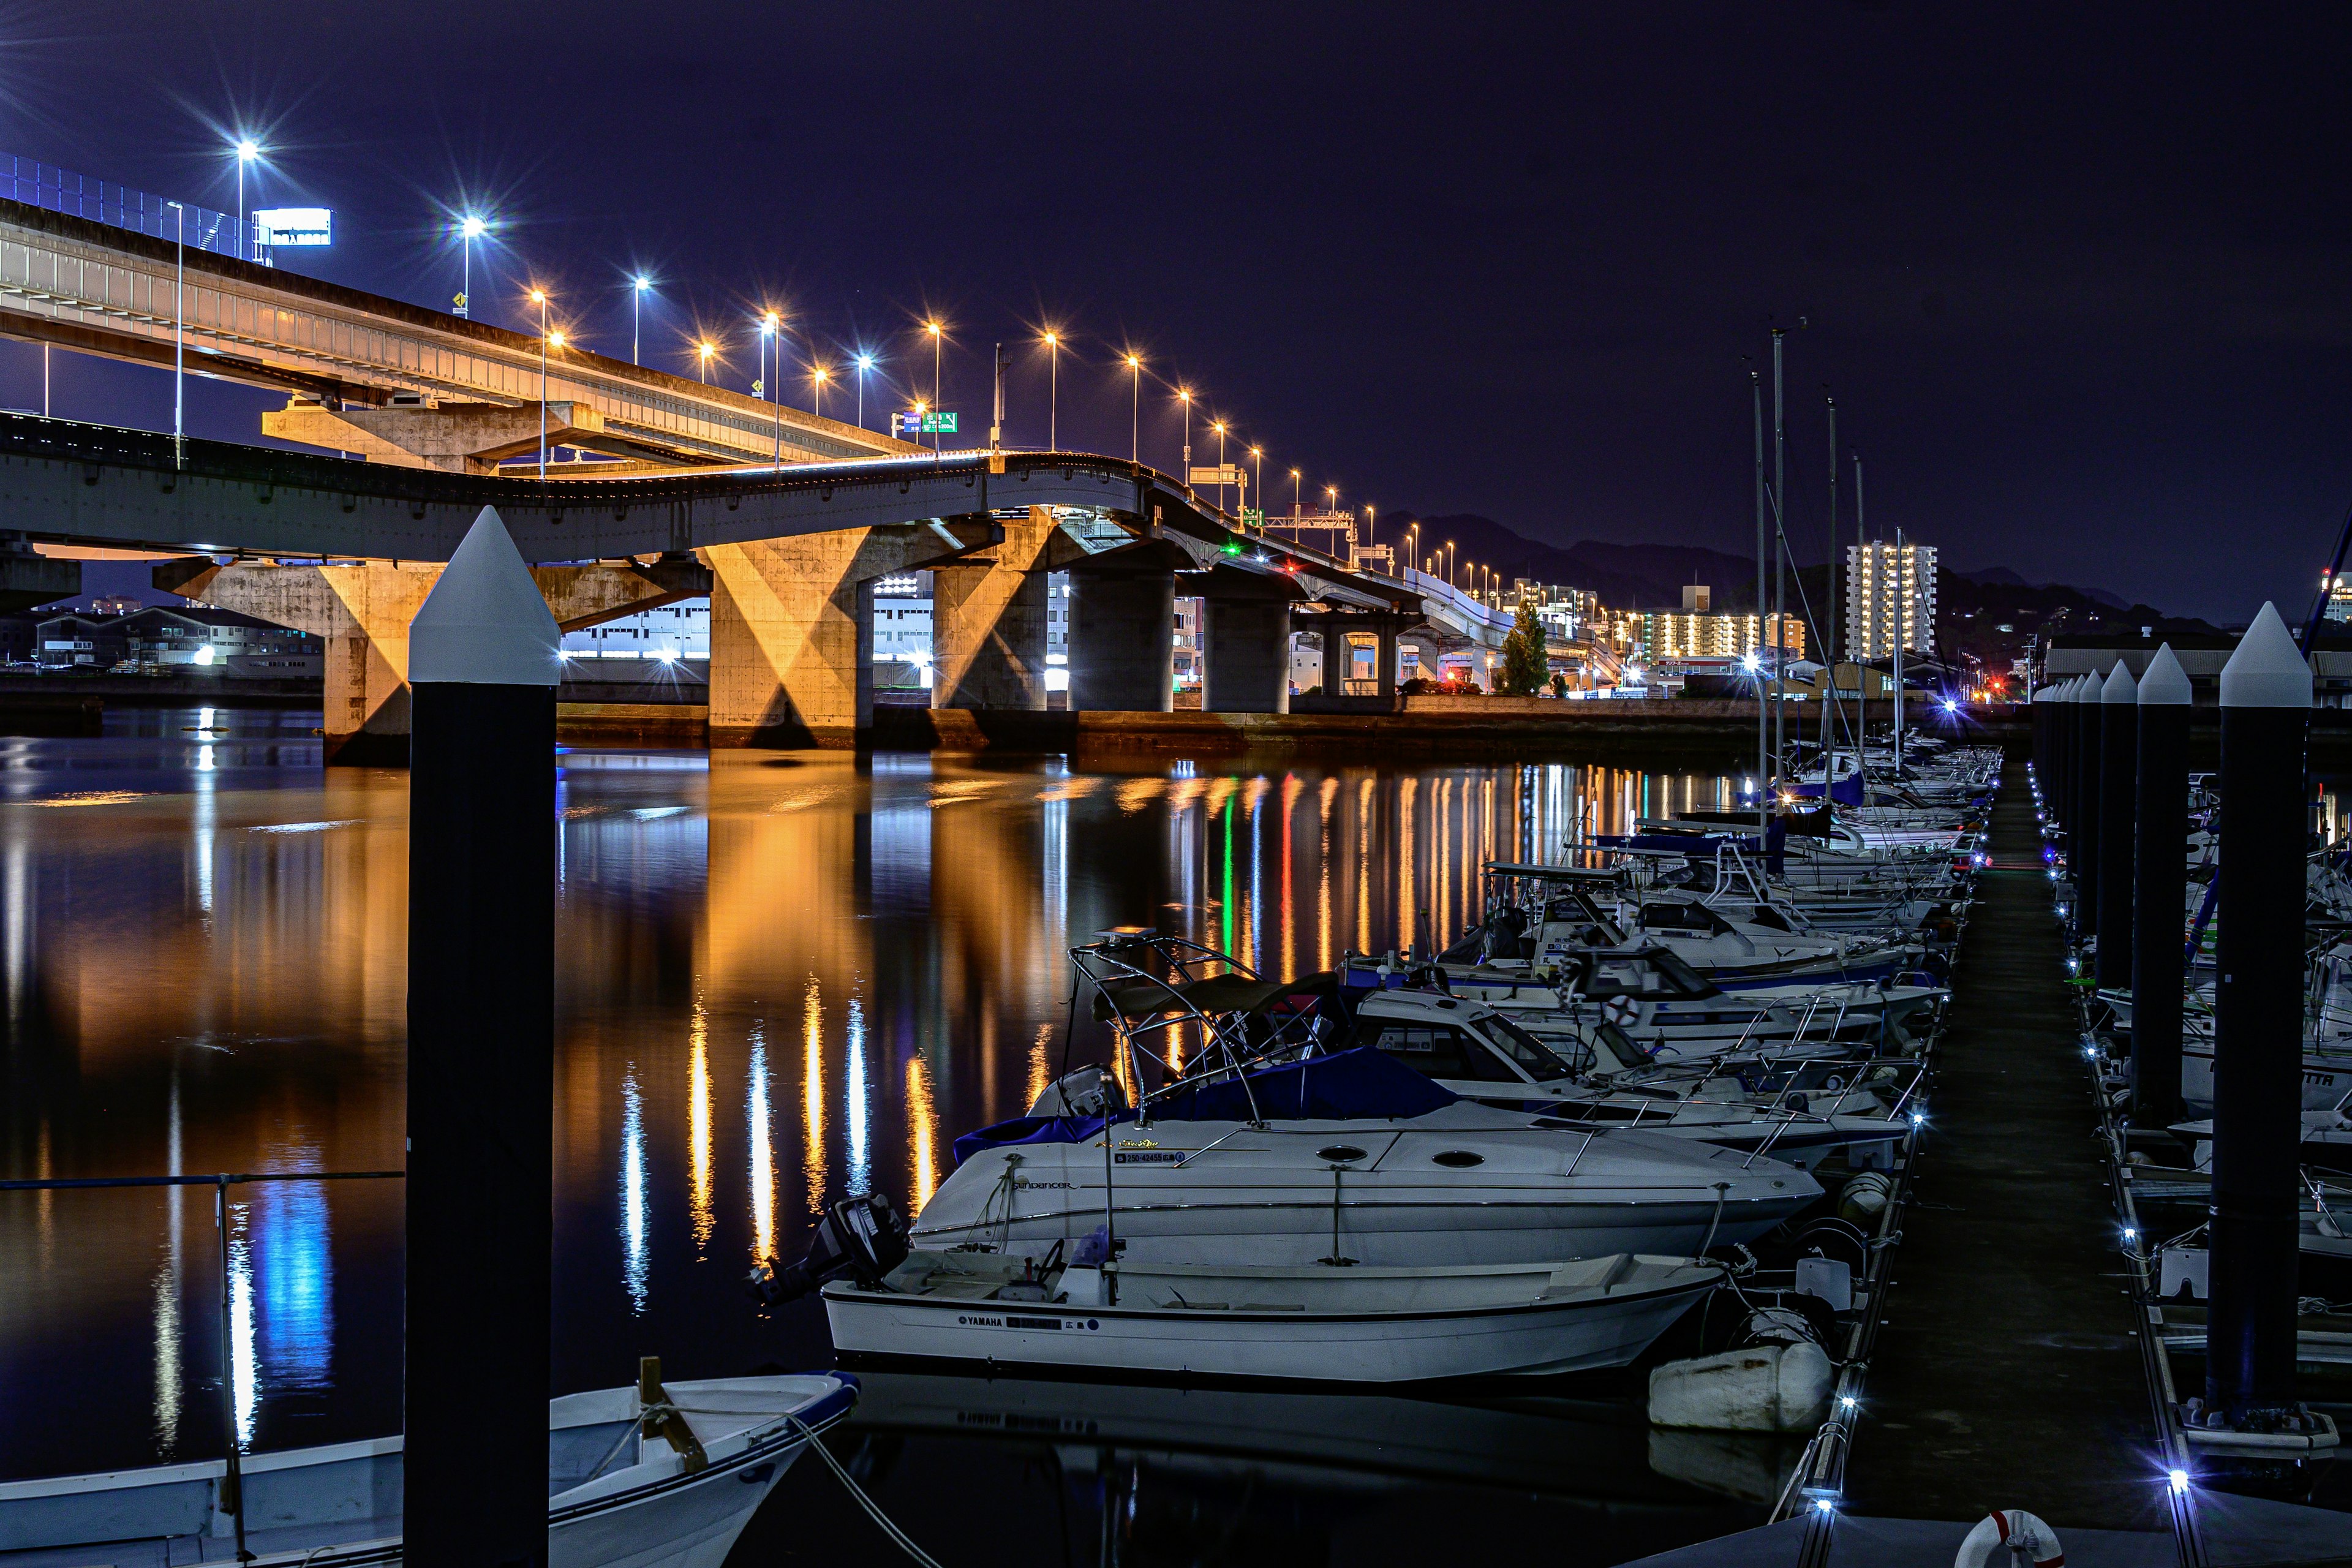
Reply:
x=908, y=423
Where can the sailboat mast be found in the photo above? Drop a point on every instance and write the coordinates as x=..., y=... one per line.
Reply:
x=1828, y=655
x=1756, y=390
x=1779, y=558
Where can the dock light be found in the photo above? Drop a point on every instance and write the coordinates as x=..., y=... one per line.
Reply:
x=2131, y=1237
x=1824, y=1505
x=1918, y=1119
x=667, y=655
x=1847, y=1402
x=1951, y=706
x=2178, y=1479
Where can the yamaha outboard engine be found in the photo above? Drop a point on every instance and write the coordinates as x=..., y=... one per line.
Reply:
x=860, y=1239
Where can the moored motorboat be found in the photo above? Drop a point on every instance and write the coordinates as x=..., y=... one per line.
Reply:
x=632, y=1483
x=1319, y=1322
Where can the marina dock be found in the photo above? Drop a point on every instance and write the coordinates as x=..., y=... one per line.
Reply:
x=2007, y=1341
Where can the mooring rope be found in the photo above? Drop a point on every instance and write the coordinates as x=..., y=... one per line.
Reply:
x=905, y=1543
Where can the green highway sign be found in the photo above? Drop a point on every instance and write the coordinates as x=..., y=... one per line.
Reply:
x=943, y=422
x=907, y=422
x=1253, y=516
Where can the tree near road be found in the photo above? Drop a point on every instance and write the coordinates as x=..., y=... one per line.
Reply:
x=1525, y=670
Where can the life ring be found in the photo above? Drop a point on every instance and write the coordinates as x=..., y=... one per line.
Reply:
x=2011, y=1538
x=1621, y=1010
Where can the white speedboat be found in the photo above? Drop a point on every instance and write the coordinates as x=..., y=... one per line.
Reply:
x=1320, y=1322
x=618, y=1497
x=1671, y=1012
x=1477, y=1053
x=1265, y=1167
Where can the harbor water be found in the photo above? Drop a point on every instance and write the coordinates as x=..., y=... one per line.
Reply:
x=783, y=978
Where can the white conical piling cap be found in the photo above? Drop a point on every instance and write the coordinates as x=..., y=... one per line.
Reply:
x=2267, y=671
x=2165, y=684
x=485, y=623
x=2086, y=688
x=2119, y=686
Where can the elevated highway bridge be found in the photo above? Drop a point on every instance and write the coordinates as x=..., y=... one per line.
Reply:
x=786, y=520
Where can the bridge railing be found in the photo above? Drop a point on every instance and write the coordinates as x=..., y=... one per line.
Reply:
x=102, y=201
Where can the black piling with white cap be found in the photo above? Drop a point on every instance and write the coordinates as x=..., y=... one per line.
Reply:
x=2257, y=1032
x=483, y=665
x=2118, y=782
x=2159, y=889
x=2083, y=836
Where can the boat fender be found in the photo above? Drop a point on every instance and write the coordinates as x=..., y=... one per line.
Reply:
x=1759, y=1388
x=2011, y=1538
x=1865, y=1197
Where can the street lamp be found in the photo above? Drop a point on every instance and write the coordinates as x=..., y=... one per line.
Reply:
x=1054, y=391
x=1184, y=396
x=1412, y=548
x=772, y=326
x=865, y=364
x=1294, y=492
x=703, y=350
x=637, y=287
x=470, y=228
x=179, y=341
x=248, y=150
x=1135, y=410
x=539, y=297
x=1257, y=455
x=1219, y=427
x=820, y=376
x=938, y=330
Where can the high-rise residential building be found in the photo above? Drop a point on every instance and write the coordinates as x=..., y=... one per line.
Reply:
x=1684, y=634
x=1888, y=587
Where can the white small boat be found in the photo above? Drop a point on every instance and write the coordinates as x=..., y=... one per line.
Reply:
x=618, y=1497
x=1316, y=1322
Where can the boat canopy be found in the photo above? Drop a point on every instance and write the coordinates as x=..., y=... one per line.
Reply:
x=1346, y=1086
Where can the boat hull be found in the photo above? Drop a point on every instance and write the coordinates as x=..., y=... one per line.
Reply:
x=1522, y=1339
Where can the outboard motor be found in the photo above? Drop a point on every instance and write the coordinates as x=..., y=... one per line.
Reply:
x=1085, y=1092
x=860, y=1239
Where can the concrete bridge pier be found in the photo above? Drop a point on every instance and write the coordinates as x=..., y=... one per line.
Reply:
x=1123, y=628
x=791, y=627
x=361, y=612
x=989, y=618
x=1245, y=632
x=1344, y=630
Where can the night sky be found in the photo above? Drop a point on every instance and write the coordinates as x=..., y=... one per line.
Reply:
x=2078, y=277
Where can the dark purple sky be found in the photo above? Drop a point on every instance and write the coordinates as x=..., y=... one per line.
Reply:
x=2078, y=277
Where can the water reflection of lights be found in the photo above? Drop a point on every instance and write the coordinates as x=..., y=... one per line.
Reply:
x=813, y=1093
x=700, y=1212
x=861, y=1166
x=1041, y=1064
x=922, y=1119
x=633, y=1191
x=244, y=1365
x=1323, y=876
x=167, y=1292
x=1407, y=895
x=764, y=1155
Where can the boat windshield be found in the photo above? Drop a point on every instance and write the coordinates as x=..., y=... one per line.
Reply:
x=1535, y=1058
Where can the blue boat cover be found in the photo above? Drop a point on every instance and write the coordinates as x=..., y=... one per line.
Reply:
x=1847, y=790
x=1343, y=1087
x=1348, y=1084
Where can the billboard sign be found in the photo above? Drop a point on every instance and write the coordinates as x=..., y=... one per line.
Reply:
x=294, y=225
